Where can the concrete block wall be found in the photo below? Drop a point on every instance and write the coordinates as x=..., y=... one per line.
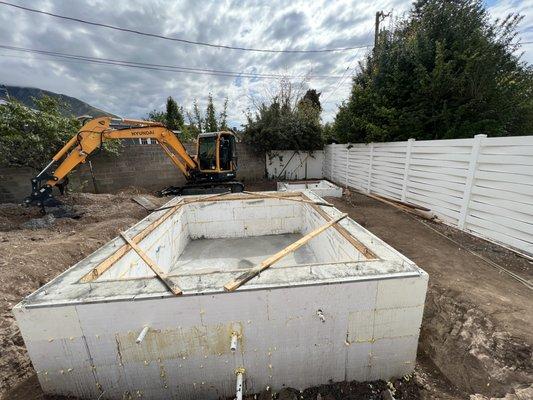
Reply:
x=144, y=166
x=15, y=184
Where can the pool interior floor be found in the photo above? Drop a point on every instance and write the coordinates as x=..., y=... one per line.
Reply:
x=239, y=253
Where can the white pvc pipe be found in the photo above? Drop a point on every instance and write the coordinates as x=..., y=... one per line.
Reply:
x=141, y=336
x=240, y=374
x=233, y=344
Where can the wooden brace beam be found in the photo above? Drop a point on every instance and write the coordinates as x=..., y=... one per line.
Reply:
x=365, y=251
x=300, y=199
x=153, y=266
x=251, y=273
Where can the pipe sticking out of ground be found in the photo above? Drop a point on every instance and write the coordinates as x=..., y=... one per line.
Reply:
x=240, y=377
x=234, y=338
x=141, y=336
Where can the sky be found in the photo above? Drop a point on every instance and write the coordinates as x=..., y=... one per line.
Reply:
x=269, y=24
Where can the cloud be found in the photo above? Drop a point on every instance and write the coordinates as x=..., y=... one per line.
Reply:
x=134, y=92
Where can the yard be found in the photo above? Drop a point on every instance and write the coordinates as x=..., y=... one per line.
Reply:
x=476, y=334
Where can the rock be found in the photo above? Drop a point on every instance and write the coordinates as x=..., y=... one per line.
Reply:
x=288, y=394
x=387, y=395
x=265, y=395
x=519, y=394
x=39, y=223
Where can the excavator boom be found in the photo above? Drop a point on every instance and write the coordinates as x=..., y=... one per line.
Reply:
x=91, y=137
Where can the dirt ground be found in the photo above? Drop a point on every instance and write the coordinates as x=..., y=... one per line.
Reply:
x=477, y=332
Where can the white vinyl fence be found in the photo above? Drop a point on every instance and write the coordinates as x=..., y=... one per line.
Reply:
x=294, y=165
x=481, y=185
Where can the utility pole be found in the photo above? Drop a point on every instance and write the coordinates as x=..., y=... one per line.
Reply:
x=380, y=16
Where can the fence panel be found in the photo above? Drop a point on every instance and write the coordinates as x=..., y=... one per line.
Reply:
x=481, y=185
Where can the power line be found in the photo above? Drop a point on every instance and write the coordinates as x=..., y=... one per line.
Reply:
x=341, y=80
x=343, y=77
x=160, y=67
x=192, y=42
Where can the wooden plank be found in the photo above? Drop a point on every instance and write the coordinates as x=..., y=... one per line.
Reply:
x=153, y=266
x=365, y=251
x=251, y=273
x=109, y=261
x=144, y=202
x=268, y=196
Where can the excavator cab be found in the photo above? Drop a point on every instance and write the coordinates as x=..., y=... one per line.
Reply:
x=216, y=156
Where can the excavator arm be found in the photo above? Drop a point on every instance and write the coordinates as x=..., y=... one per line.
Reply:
x=91, y=136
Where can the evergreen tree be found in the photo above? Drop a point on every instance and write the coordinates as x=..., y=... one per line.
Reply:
x=196, y=118
x=210, y=122
x=223, y=118
x=174, y=116
x=313, y=98
x=447, y=71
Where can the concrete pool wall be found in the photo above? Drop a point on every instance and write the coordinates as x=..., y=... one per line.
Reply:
x=347, y=307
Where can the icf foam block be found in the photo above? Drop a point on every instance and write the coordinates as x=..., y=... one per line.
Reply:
x=300, y=336
x=342, y=317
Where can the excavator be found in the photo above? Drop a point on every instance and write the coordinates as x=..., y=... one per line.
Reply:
x=212, y=170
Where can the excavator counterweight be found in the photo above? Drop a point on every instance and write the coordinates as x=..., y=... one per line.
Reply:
x=212, y=170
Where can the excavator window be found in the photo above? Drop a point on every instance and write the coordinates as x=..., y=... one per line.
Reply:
x=207, y=152
x=226, y=152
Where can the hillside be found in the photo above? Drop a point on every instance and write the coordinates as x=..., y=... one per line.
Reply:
x=74, y=106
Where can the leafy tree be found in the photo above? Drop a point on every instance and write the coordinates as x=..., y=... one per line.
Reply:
x=286, y=122
x=174, y=116
x=210, y=122
x=157, y=116
x=328, y=134
x=31, y=137
x=447, y=71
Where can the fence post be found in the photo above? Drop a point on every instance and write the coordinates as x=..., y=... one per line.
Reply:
x=472, y=167
x=407, y=165
x=370, y=167
x=347, y=162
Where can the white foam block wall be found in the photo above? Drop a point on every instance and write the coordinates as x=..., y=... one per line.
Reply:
x=163, y=245
x=330, y=245
x=321, y=188
x=225, y=219
x=370, y=331
x=243, y=218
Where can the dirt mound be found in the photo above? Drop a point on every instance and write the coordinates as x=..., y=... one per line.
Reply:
x=476, y=335
x=469, y=349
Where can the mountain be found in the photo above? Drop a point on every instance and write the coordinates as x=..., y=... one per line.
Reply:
x=74, y=107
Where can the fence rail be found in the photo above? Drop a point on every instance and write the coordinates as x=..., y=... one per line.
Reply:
x=481, y=185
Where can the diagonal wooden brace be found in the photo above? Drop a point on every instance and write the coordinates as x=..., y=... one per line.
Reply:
x=251, y=273
x=153, y=266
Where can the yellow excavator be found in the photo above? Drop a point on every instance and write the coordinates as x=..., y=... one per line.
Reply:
x=212, y=170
